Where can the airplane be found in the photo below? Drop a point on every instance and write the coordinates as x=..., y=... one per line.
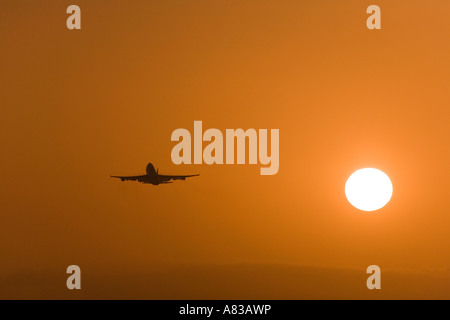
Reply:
x=154, y=177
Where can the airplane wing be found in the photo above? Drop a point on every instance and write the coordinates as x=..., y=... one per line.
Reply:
x=168, y=178
x=132, y=178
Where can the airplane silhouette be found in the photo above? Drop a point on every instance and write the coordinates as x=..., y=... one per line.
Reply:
x=154, y=177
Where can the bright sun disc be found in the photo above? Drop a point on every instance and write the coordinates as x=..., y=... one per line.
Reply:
x=368, y=189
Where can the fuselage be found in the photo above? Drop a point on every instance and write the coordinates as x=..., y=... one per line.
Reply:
x=152, y=174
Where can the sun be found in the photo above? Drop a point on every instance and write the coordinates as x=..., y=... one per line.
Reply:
x=368, y=189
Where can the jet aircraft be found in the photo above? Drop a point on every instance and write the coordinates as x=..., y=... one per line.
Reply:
x=153, y=177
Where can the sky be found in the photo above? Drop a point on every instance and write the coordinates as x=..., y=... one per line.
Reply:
x=80, y=105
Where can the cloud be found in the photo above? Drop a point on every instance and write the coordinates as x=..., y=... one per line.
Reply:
x=245, y=281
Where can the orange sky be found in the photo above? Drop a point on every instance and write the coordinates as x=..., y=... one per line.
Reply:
x=78, y=106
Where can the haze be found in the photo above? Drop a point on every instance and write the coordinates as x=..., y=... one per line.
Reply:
x=79, y=106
